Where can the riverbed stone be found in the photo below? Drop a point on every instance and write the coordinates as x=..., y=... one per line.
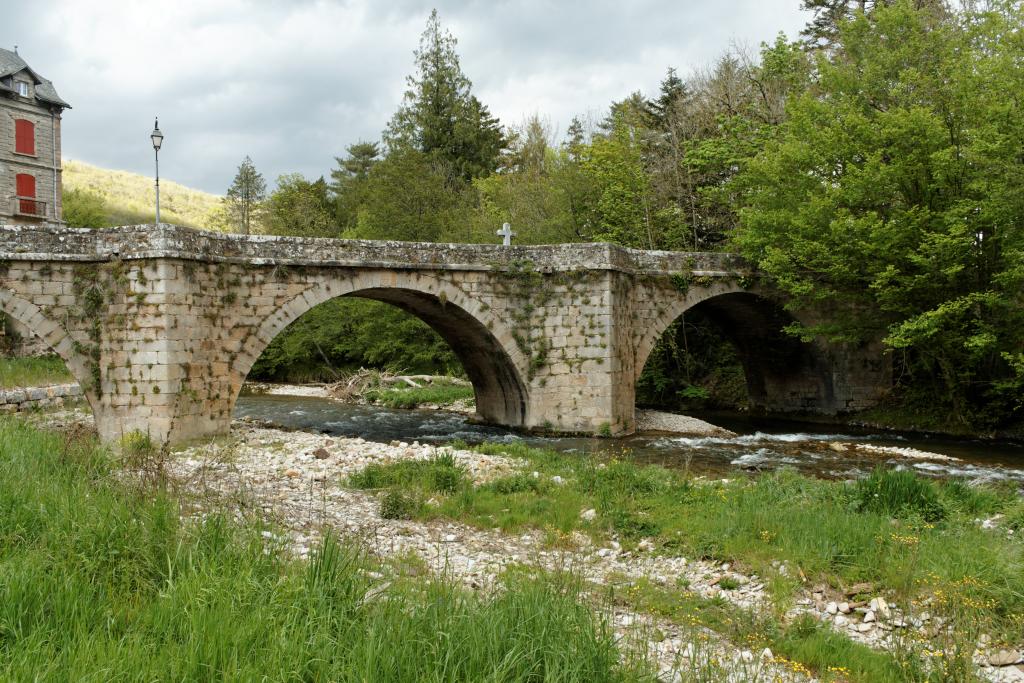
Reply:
x=1004, y=657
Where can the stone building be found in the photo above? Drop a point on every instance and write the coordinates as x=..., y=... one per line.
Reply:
x=30, y=164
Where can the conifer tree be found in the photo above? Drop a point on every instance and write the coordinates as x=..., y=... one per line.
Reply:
x=439, y=116
x=245, y=196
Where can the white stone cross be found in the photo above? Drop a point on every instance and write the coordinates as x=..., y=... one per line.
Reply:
x=506, y=234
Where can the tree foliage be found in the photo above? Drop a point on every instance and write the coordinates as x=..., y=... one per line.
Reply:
x=439, y=115
x=299, y=207
x=84, y=209
x=343, y=334
x=244, y=199
x=891, y=194
x=349, y=183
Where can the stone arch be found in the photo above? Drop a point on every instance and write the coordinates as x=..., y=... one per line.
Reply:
x=55, y=337
x=783, y=374
x=478, y=338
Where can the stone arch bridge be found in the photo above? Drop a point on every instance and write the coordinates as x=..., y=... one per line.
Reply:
x=160, y=325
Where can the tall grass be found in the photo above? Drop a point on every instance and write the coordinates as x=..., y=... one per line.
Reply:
x=33, y=372
x=99, y=582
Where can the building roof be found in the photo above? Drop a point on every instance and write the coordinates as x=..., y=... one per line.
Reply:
x=12, y=63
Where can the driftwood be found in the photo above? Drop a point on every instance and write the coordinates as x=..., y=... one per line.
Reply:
x=353, y=385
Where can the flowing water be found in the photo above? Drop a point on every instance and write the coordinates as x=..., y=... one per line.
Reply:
x=761, y=445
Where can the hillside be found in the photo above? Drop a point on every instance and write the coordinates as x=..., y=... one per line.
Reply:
x=128, y=198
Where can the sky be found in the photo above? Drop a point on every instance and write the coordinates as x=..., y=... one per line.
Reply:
x=292, y=83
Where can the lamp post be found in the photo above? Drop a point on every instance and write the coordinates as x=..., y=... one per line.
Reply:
x=158, y=139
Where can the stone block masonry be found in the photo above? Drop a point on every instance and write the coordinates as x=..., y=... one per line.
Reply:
x=160, y=324
x=27, y=398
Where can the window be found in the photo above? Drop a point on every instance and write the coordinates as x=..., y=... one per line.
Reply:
x=22, y=88
x=26, y=191
x=24, y=137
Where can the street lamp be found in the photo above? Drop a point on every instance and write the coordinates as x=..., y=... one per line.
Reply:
x=158, y=139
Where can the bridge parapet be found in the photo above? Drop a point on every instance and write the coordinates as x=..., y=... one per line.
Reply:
x=133, y=242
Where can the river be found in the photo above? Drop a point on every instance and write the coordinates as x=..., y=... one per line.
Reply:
x=761, y=445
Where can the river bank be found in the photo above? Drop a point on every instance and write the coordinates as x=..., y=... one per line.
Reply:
x=309, y=482
x=690, y=562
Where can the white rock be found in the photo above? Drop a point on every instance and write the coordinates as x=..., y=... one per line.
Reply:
x=767, y=654
x=869, y=616
x=840, y=620
x=746, y=656
x=832, y=608
x=1004, y=658
x=450, y=538
x=880, y=606
x=844, y=607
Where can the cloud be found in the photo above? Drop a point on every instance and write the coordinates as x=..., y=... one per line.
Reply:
x=293, y=83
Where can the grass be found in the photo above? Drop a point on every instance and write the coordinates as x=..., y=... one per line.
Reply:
x=33, y=372
x=803, y=645
x=437, y=393
x=912, y=539
x=100, y=580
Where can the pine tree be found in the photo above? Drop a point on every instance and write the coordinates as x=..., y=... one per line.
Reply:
x=349, y=182
x=439, y=116
x=245, y=196
x=575, y=138
x=356, y=166
x=673, y=91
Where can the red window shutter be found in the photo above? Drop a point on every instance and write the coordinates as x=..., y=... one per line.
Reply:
x=24, y=137
x=26, y=187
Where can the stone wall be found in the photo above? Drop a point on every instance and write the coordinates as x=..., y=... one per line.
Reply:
x=27, y=398
x=160, y=325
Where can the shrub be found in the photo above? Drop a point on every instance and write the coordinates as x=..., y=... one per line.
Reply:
x=1015, y=516
x=441, y=474
x=631, y=524
x=970, y=499
x=622, y=478
x=136, y=444
x=445, y=474
x=516, y=483
x=398, y=505
x=898, y=493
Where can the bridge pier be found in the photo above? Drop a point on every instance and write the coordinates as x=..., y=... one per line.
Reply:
x=161, y=325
